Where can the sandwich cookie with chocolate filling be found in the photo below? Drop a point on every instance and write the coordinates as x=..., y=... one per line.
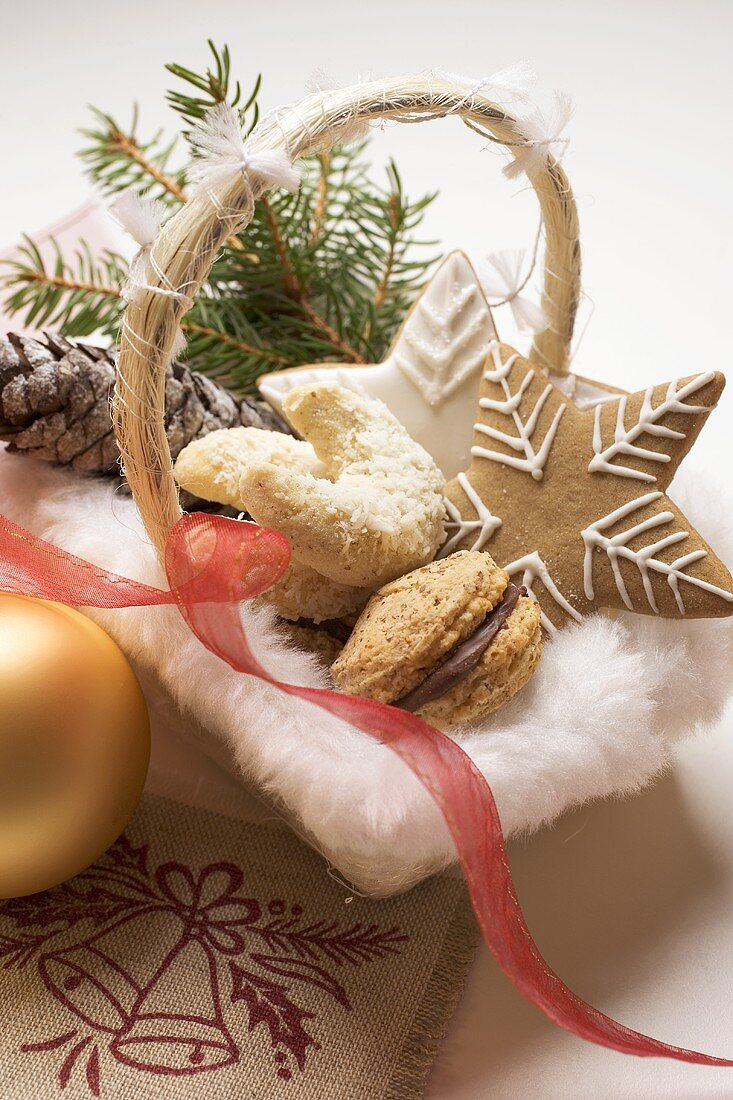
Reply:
x=451, y=641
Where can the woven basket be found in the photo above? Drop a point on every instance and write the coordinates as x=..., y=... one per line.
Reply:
x=186, y=249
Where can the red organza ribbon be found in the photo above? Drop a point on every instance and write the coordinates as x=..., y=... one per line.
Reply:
x=212, y=564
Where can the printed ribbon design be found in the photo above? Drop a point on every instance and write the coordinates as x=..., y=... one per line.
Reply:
x=212, y=564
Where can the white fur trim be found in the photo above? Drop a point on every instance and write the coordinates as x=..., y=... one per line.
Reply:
x=598, y=718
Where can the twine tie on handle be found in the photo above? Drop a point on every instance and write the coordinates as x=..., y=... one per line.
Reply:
x=511, y=83
x=544, y=137
x=220, y=153
x=141, y=217
x=505, y=284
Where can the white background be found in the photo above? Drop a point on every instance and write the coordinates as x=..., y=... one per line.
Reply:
x=630, y=902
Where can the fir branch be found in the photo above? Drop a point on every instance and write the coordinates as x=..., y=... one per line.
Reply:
x=206, y=333
x=394, y=207
x=215, y=85
x=69, y=284
x=128, y=147
x=351, y=355
x=291, y=285
x=319, y=210
x=116, y=160
x=295, y=288
x=83, y=303
x=326, y=273
x=372, y=244
x=389, y=261
x=80, y=298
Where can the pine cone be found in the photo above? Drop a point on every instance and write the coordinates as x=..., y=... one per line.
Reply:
x=54, y=404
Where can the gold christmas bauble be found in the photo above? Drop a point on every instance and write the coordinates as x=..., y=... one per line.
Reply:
x=74, y=743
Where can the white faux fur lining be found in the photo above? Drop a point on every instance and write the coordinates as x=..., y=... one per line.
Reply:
x=609, y=698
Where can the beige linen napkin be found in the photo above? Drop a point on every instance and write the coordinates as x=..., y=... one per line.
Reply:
x=206, y=957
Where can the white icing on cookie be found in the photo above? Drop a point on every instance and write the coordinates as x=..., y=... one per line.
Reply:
x=533, y=568
x=616, y=546
x=624, y=442
x=484, y=525
x=443, y=340
x=534, y=460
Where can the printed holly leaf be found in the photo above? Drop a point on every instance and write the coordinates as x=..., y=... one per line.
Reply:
x=302, y=971
x=15, y=951
x=55, y=910
x=124, y=855
x=268, y=1004
x=33, y=910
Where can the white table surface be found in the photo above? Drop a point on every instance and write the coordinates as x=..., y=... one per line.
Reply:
x=630, y=901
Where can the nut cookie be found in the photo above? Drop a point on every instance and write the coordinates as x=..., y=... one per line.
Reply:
x=505, y=667
x=451, y=641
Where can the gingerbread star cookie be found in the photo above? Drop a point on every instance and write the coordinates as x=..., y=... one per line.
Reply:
x=573, y=501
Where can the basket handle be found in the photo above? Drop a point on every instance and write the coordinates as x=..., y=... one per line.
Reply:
x=188, y=244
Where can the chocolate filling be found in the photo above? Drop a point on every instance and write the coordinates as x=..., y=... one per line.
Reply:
x=465, y=656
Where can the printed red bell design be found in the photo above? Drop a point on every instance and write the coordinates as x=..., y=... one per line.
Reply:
x=177, y=1025
x=102, y=979
x=150, y=979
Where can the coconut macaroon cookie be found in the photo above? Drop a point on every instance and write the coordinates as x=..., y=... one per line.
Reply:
x=451, y=641
x=358, y=500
